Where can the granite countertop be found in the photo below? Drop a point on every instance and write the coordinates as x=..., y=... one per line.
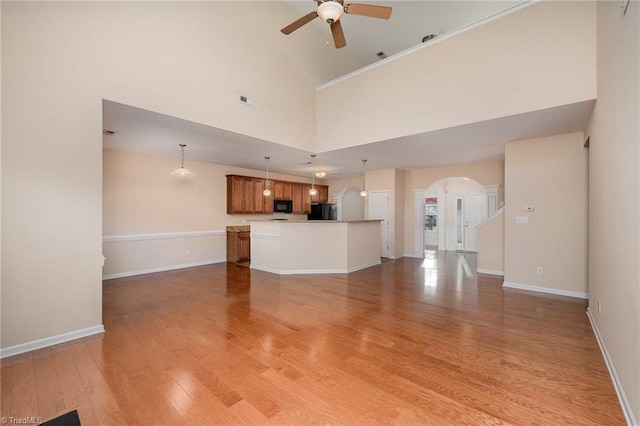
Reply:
x=316, y=221
x=238, y=228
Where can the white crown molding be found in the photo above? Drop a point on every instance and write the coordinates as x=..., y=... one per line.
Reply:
x=538, y=289
x=622, y=397
x=430, y=42
x=161, y=236
x=50, y=341
x=161, y=269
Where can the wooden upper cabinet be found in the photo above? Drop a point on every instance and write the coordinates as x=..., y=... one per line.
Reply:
x=266, y=200
x=258, y=196
x=322, y=196
x=306, y=198
x=235, y=189
x=323, y=193
x=282, y=190
x=296, y=197
x=277, y=190
x=244, y=195
x=247, y=195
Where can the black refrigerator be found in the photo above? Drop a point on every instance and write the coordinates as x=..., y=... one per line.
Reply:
x=322, y=211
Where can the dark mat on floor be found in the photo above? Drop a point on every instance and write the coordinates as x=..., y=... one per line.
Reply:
x=69, y=419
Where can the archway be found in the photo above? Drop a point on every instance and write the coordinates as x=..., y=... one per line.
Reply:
x=448, y=212
x=349, y=204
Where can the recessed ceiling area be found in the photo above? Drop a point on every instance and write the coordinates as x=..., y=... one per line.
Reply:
x=147, y=132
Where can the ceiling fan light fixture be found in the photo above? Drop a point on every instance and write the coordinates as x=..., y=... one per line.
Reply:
x=330, y=11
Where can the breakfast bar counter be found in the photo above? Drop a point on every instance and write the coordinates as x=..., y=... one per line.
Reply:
x=314, y=246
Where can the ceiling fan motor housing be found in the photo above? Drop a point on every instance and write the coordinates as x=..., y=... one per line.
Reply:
x=330, y=11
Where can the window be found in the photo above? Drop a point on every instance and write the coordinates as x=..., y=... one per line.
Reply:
x=430, y=214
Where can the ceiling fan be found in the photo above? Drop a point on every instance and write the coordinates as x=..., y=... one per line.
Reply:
x=330, y=11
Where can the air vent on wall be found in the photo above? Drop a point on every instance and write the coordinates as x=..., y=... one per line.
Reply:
x=247, y=100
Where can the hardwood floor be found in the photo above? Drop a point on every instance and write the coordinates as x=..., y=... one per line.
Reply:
x=409, y=341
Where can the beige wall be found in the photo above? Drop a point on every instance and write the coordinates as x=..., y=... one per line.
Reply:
x=549, y=174
x=51, y=211
x=59, y=60
x=614, y=231
x=147, y=211
x=448, y=83
x=177, y=58
x=491, y=245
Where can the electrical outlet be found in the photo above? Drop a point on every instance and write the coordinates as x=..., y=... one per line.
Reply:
x=540, y=270
x=188, y=253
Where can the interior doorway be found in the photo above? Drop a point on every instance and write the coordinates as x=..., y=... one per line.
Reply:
x=447, y=214
x=379, y=209
x=471, y=211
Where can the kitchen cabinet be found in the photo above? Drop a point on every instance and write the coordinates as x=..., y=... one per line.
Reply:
x=282, y=190
x=235, y=192
x=306, y=200
x=261, y=203
x=297, y=198
x=238, y=244
x=244, y=195
x=323, y=193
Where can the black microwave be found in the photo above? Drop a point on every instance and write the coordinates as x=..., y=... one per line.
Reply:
x=282, y=206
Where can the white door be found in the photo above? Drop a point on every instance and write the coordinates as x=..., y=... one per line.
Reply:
x=474, y=213
x=379, y=209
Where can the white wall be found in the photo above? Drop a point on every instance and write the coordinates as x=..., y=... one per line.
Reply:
x=549, y=174
x=539, y=57
x=614, y=188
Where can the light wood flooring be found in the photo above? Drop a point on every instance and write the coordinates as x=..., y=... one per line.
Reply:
x=411, y=341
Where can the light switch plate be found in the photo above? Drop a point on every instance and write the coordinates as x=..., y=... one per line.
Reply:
x=522, y=219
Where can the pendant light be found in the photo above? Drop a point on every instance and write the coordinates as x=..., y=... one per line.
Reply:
x=182, y=171
x=364, y=178
x=313, y=191
x=267, y=184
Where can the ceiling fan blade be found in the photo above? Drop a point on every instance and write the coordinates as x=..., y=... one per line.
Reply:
x=381, y=12
x=338, y=34
x=299, y=22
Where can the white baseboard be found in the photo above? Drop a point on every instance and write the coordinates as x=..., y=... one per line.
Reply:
x=622, y=397
x=50, y=341
x=490, y=272
x=413, y=255
x=161, y=269
x=313, y=271
x=556, y=291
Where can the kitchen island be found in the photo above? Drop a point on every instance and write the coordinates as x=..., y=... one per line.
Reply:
x=314, y=246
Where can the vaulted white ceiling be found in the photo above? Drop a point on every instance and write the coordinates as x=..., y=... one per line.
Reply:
x=152, y=133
